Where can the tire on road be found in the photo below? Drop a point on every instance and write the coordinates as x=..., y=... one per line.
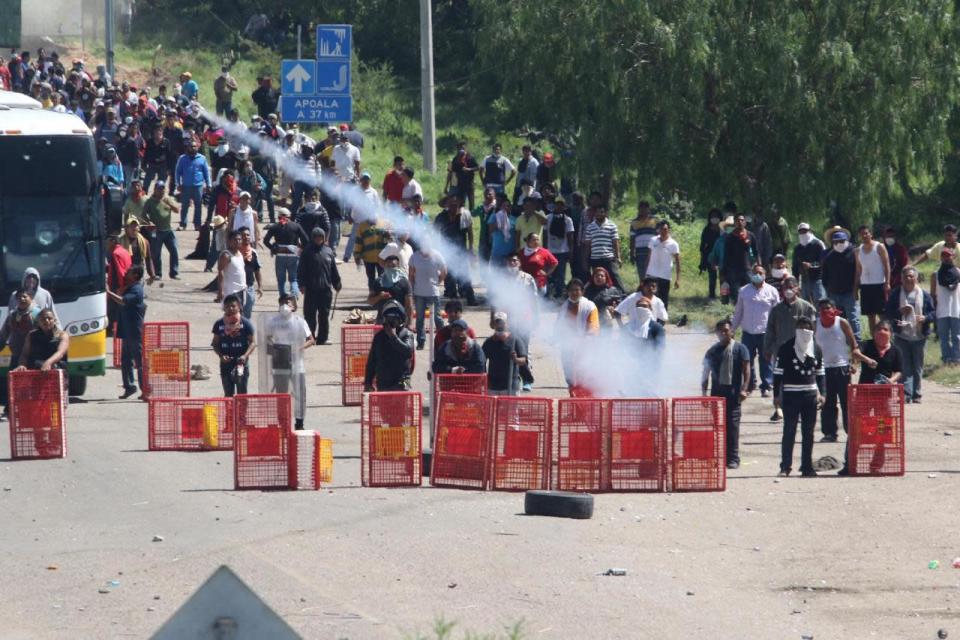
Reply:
x=558, y=504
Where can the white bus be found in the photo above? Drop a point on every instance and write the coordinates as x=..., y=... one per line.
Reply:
x=51, y=218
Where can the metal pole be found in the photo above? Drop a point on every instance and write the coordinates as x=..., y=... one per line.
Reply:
x=426, y=87
x=299, y=35
x=109, y=27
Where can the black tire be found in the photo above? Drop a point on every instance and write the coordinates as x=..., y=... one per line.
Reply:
x=558, y=504
x=427, y=461
x=78, y=385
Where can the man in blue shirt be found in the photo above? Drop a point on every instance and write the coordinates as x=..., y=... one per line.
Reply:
x=193, y=178
x=130, y=328
x=726, y=366
x=188, y=86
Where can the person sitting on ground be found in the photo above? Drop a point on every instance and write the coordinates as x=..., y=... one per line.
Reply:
x=505, y=354
x=460, y=354
x=233, y=342
x=390, y=361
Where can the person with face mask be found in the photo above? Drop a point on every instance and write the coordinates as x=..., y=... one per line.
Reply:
x=898, y=254
x=286, y=336
x=839, y=269
x=799, y=377
x=390, y=361
x=755, y=301
x=346, y=159
x=708, y=238
x=726, y=368
x=806, y=263
x=577, y=318
x=739, y=254
x=910, y=310
x=781, y=325
x=840, y=351
x=945, y=290
x=497, y=171
x=233, y=342
x=393, y=286
x=223, y=88
x=461, y=353
x=505, y=353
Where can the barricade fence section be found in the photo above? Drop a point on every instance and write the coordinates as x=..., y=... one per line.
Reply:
x=580, y=446
x=304, y=469
x=876, y=440
x=262, y=431
x=698, y=445
x=461, y=450
x=38, y=403
x=355, y=340
x=520, y=451
x=190, y=424
x=638, y=435
x=166, y=359
x=391, y=439
x=474, y=383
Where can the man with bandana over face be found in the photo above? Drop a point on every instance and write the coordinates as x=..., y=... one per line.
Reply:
x=799, y=376
x=840, y=351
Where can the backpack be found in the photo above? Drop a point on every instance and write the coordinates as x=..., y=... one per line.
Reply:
x=558, y=226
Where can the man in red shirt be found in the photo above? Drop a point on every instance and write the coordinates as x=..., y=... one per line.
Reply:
x=118, y=261
x=393, y=182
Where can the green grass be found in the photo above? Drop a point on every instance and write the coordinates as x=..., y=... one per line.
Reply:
x=444, y=629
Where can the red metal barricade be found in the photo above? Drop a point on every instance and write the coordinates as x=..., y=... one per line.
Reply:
x=460, y=452
x=355, y=341
x=190, y=424
x=37, y=421
x=391, y=439
x=579, y=445
x=262, y=431
x=876, y=414
x=304, y=469
x=520, y=454
x=579, y=391
x=117, y=347
x=638, y=432
x=698, y=447
x=166, y=359
x=475, y=383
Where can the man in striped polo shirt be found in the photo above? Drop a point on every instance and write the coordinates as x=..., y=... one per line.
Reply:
x=603, y=242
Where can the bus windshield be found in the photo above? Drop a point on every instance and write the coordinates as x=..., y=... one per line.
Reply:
x=49, y=214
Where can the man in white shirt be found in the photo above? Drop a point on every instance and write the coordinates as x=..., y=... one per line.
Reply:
x=346, y=159
x=559, y=244
x=664, y=255
x=398, y=246
x=369, y=191
x=627, y=309
x=754, y=303
x=496, y=171
x=410, y=186
x=427, y=272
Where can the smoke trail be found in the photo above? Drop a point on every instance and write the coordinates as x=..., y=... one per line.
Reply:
x=609, y=364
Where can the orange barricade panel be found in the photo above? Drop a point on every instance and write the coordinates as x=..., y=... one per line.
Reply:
x=166, y=359
x=460, y=452
x=520, y=458
x=876, y=416
x=355, y=341
x=390, y=442
x=638, y=431
x=37, y=421
x=262, y=432
x=190, y=424
x=579, y=444
x=117, y=347
x=698, y=446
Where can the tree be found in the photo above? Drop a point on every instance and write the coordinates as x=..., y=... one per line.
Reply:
x=793, y=103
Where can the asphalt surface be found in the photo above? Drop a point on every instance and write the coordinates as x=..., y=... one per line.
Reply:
x=769, y=558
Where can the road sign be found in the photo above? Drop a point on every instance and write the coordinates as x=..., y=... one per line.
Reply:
x=317, y=108
x=333, y=77
x=298, y=76
x=334, y=41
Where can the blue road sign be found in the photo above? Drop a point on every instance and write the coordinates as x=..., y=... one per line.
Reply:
x=316, y=109
x=333, y=77
x=334, y=41
x=298, y=77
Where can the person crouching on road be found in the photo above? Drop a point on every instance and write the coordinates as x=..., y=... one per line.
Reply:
x=726, y=366
x=390, y=362
x=799, y=375
x=233, y=342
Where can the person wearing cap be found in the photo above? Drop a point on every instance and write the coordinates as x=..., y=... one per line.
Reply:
x=839, y=268
x=390, y=360
x=189, y=86
x=806, y=264
x=740, y=253
x=243, y=216
x=461, y=173
x=497, y=171
x=223, y=89
x=949, y=241
x=346, y=159
x=505, y=353
x=218, y=241
x=158, y=210
x=945, y=291
x=872, y=276
x=897, y=253
x=133, y=207
x=427, y=271
x=526, y=170
x=319, y=277
x=461, y=353
x=910, y=310
x=286, y=240
x=192, y=176
x=138, y=247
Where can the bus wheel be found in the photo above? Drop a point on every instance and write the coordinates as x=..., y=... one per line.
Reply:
x=78, y=385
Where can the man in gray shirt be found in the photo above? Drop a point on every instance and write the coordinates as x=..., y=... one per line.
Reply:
x=427, y=272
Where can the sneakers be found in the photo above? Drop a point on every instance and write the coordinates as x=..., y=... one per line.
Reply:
x=783, y=474
x=733, y=464
x=527, y=386
x=828, y=439
x=174, y=276
x=127, y=393
x=844, y=472
x=810, y=473
x=764, y=393
x=298, y=425
x=419, y=346
x=777, y=415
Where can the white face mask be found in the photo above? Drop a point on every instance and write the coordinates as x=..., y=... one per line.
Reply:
x=714, y=220
x=840, y=247
x=285, y=310
x=778, y=273
x=512, y=270
x=889, y=241
x=805, y=238
x=804, y=340
x=789, y=294
x=644, y=315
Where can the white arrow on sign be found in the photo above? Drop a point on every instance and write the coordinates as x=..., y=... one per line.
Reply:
x=298, y=75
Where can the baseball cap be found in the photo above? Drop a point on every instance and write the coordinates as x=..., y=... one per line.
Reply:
x=500, y=315
x=331, y=129
x=244, y=194
x=839, y=235
x=318, y=231
x=365, y=174
x=283, y=212
x=950, y=227
x=344, y=127
x=160, y=184
x=460, y=324
x=803, y=227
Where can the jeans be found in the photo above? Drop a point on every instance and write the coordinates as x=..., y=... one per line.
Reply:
x=300, y=191
x=641, y=257
x=224, y=106
x=154, y=173
x=558, y=279
x=837, y=381
x=334, y=240
x=754, y=344
x=663, y=291
x=131, y=355
x=194, y=195
x=166, y=239
x=949, y=331
x=812, y=290
x=798, y=406
x=610, y=265
x=248, y=302
x=231, y=387
x=421, y=303
x=316, y=310
x=911, y=352
x=286, y=266
x=130, y=172
x=351, y=241
x=732, y=419
x=266, y=196
x=851, y=310
x=712, y=282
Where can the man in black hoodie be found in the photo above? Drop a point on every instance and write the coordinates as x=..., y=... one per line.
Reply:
x=318, y=275
x=390, y=362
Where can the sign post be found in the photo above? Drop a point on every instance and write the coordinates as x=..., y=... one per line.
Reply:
x=319, y=91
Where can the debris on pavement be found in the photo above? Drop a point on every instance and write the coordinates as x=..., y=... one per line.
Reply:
x=158, y=538
x=614, y=572
x=933, y=564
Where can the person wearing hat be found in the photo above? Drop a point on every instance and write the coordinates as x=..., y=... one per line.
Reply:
x=461, y=173
x=346, y=159
x=158, y=210
x=223, y=89
x=945, y=290
x=806, y=264
x=739, y=253
x=286, y=240
x=526, y=170
x=138, y=247
x=839, y=269
x=189, y=87
x=133, y=207
x=318, y=277
x=390, y=360
x=505, y=353
x=910, y=310
x=460, y=354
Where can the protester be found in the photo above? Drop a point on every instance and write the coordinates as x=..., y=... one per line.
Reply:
x=130, y=330
x=497, y=171
x=505, y=354
x=454, y=311
x=949, y=242
x=576, y=318
x=799, y=376
x=872, y=276
x=740, y=255
x=664, y=258
x=946, y=300
x=394, y=182
x=781, y=326
x=286, y=337
x=755, y=301
x=390, y=361
x=726, y=367
x=523, y=293
x=319, y=277
x=233, y=342
x=251, y=273
x=45, y=347
x=286, y=240
x=18, y=324
x=31, y=282
x=482, y=212
x=603, y=244
x=461, y=353
x=460, y=175
x=223, y=89
x=427, y=270
x=708, y=238
x=761, y=231
x=898, y=254
x=501, y=228
x=778, y=272
x=192, y=176
x=392, y=286
x=840, y=351
x=231, y=276
x=370, y=241
x=643, y=229
x=531, y=219
x=839, y=269
x=648, y=290
x=136, y=198
x=455, y=224
x=910, y=310
x=605, y=295
x=244, y=216
x=559, y=234
x=537, y=261
x=158, y=211
x=138, y=247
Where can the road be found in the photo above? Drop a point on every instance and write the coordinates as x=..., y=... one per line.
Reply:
x=827, y=557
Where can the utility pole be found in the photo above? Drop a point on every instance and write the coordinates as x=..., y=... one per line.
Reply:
x=109, y=27
x=426, y=86
x=299, y=35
